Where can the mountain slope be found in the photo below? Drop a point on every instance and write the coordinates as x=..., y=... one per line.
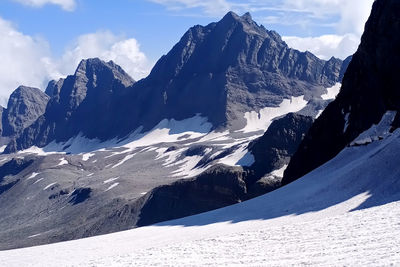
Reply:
x=369, y=89
x=107, y=152
x=330, y=215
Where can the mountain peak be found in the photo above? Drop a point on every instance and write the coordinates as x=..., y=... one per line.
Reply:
x=96, y=66
x=245, y=20
x=247, y=16
x=24, y=106
x=231, y=16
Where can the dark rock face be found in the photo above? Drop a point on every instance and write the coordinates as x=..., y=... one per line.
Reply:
x=13, y=167
x=76, y=104
x=79, y=195
x=220, y=71
x=217, y=187
x=275, y=148
x=234, y=66
x=1, y=121
x=54, y=87
x=25, y=105
x=369, y=89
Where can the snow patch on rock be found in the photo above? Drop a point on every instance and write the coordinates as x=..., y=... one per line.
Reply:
x=376, y=132
x=111, y=186
x=128, y=157
x=260, y=121
x=63, y=161
x=33, y=175
x=332, y=92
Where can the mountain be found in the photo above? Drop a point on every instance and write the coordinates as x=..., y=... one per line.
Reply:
x=76, y=103
x=24, y=106
x=369, y=90
x=220, y=71
x=108, y=151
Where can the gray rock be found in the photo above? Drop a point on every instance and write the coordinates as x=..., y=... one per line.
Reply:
x=25, y=105
x=278, y=144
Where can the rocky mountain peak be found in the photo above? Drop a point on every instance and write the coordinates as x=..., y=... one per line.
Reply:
x=93, y=68
x=25, y=105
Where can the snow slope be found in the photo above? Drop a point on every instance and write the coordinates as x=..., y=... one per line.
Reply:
x=343, y=213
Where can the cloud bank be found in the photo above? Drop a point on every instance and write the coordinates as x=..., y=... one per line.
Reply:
x=325, y=46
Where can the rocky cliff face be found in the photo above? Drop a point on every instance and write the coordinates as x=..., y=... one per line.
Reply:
x=278, y=144
x=234, y=66
x=25, y=105
x=370, y=88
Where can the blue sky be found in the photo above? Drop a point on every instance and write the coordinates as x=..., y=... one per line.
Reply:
x=45, y=39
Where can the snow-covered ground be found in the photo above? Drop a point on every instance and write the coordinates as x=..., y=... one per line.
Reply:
x=343, y=213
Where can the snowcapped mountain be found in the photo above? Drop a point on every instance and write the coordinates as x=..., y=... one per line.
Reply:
x=109, y=153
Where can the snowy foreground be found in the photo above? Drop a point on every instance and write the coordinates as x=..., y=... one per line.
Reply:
x=344, y=213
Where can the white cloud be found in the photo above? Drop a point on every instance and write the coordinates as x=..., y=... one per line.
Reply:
x=26, y=60
x=209, y=7
x=325, y=46
x=352, y=14
x=106, y=46
x=343, y=19
x=68, y=5
x=349, y=16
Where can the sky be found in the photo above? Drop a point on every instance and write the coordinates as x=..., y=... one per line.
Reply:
x=41, y=40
